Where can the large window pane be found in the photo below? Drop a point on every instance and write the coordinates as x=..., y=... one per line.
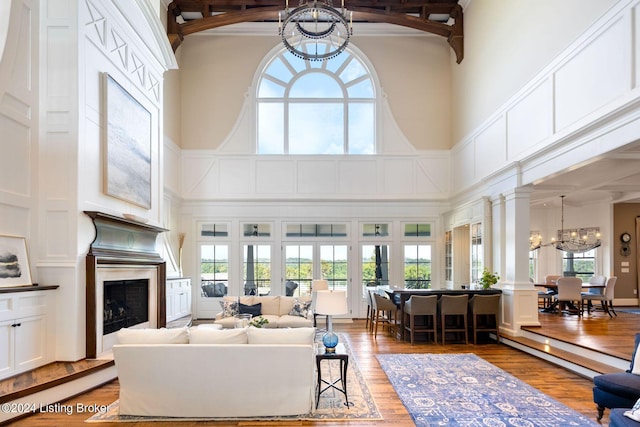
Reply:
x=375, y=264
x=214, y=270
x=316, y=85
x=278, y=70
x=318, y=108
x=334, y=266
x=417, y=266
x=361, y=129
x=270, y=89
x=257, y=269
x=316, y=129
x=299, y=267
x=352, y=71
x=270, y=128
x=580, y=265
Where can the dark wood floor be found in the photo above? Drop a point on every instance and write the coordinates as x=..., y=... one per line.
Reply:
x=596, y=331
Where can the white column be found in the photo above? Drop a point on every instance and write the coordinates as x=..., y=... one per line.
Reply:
x=511, y=236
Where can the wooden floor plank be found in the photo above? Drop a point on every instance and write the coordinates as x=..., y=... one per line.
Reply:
x=597, y=331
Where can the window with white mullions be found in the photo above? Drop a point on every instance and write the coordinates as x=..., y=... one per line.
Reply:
x=581, y=264
x=308, y=107
x=417, y=266
x=214, y=270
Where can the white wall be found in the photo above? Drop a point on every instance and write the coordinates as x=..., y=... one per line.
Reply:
x=506, y=44
x=19, y=122
x=413, y=71
x=554, y=121
x=78, y=44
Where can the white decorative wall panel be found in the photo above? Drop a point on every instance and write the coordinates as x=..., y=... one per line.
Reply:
x=58, y=244
x=591, y=79
x=56, y=152
x=171, y=167
x=15, y=161
x=358, y=177
x=59, y=64
x=317, y=177
x=20, y=74
x=209, y=176
x=463, y=165
x=530, y=120
x=199, y=175
x=275, y=177
x=235, y=176
x=491, y=148
x=399, y=176
x=14, y=107
x=597, y=74
x=432, y=176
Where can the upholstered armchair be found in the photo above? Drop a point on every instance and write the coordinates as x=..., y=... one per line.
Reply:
x=620, y=389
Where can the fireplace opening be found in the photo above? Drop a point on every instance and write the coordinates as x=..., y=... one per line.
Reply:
x=126, y=303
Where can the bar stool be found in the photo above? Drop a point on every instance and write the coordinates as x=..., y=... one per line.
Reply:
x=384, y=308
x=485, y=311
x=425, y=307
x=456, y=307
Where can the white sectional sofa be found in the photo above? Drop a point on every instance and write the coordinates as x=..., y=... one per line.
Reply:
x=198, y=372
x=280, y=311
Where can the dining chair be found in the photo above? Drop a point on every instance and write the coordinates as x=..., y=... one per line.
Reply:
x=369, y=322
x=594, y=280
x=545, y=297
x=485, y=313
x=455, y=307
x=425, y=308
x=605, y=298
x=569, y=292
x=386, y=313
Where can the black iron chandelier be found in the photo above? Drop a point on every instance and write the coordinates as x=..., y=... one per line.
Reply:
x=315, y=30
x=569, y=240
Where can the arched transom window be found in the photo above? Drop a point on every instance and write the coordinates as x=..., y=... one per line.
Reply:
x=308, y=107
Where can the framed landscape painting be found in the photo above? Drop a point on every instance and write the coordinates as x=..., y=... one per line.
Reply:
x=127, y=146
x=14, y=263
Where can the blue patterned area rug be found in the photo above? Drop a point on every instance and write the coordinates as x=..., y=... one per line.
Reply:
x=466, y=390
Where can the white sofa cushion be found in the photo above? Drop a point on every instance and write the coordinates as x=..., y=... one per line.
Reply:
x=217, y=336
x=153, y=336
x=294, y=322
x=270, y=304
x=281, y=335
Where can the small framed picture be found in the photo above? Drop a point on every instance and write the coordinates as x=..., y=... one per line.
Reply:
x=14, y=263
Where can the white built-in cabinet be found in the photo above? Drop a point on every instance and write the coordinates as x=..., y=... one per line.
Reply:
x=178, y=298
x=26, y=331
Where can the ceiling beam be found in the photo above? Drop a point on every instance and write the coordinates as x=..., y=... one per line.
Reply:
x=412, y=14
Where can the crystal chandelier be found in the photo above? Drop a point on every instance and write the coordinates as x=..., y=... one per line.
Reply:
x=315, y=30
x=569, y=240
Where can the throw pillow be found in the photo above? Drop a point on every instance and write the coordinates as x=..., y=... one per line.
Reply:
x=254, y=310
x=634, y=413
x=300, y=308
x=229, y=308
x=153, y=336
x=217, y=336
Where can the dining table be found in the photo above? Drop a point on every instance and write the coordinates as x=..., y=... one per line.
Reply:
x=553, y=286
